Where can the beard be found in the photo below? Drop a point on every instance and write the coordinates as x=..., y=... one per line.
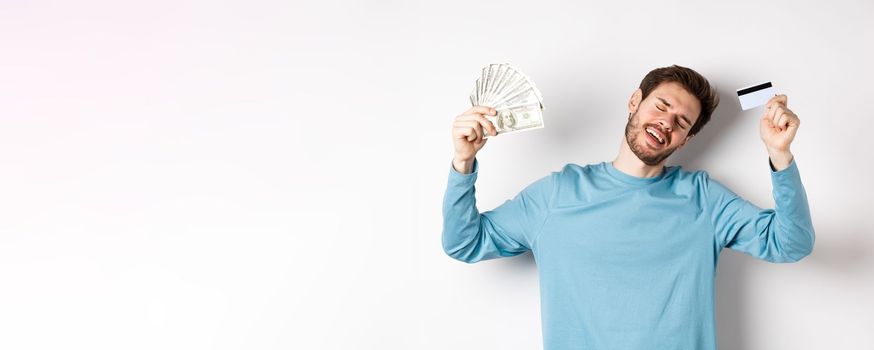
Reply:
x=634, y=134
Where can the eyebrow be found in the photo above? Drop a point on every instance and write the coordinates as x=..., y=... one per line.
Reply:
x=681, y=115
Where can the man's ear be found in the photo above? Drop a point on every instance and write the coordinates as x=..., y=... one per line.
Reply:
x=634, y=102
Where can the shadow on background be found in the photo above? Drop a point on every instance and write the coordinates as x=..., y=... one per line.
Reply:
x=731, y=299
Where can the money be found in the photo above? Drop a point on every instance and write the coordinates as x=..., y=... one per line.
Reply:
x=518, y=101
x=517, y=118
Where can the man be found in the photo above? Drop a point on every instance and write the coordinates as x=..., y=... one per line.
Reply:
x=626, y=250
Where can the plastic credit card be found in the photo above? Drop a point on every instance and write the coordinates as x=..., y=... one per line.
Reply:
x=756, y=95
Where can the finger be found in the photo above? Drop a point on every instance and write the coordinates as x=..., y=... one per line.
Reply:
x=487, y=125
x=792, y=120
x=781, y=121
x=481, y=110
x=479, y=132
x=463, y=132
x=781, y=117
x=462, y=125
x=788, y=119
x=481, y=142
x=471, y=116
x=778, y=100
x=470, y=134
x=464, y=129
x=778, y=111
x=770, y=113
x=477, y=129
x=472, y=125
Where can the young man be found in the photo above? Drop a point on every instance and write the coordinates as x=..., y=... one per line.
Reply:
x=626, y=250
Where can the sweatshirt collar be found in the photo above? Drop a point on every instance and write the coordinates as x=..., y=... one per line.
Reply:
x=634, y=180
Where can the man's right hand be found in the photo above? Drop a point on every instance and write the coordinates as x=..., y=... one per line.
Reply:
x=468, y=136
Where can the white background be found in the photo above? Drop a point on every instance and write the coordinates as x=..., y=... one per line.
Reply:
x=269, y=175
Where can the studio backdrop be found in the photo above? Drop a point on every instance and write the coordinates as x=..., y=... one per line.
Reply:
x=270, y=174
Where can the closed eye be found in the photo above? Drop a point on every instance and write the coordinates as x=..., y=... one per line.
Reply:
x=661, y=108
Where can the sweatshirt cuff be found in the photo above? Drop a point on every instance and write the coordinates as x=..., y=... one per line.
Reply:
x=790, y=172
x=458, y=178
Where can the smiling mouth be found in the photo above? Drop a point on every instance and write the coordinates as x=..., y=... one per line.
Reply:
x=655, y=135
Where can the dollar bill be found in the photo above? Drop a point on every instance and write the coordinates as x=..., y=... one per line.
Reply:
x=517, y=118
x=513, y=94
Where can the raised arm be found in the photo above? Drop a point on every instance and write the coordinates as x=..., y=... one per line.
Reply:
x=507, y=230
x=782, y=234
x=779, y=235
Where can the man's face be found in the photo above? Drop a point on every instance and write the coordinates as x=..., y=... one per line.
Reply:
x=659, y=125
x=507, y=120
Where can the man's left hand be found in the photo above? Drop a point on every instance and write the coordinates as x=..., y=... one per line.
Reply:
x=777, y=129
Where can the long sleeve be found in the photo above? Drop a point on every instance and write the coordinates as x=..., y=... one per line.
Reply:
x=783, y=234
x=507, y=230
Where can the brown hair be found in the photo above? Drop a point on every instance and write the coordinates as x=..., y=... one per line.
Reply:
x=693, y=82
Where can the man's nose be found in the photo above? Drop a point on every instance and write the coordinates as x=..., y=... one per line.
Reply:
x=665, y=125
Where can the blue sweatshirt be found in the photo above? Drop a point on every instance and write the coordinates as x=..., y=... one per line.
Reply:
x=627, y=262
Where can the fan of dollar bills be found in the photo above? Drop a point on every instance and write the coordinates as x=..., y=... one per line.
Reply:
x=512, y=94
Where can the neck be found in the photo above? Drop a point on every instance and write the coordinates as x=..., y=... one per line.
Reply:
x=627, y=162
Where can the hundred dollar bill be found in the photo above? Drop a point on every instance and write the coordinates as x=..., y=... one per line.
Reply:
x=517, y=118
x=520, y=97
x=513, y=79
x=515, y=97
